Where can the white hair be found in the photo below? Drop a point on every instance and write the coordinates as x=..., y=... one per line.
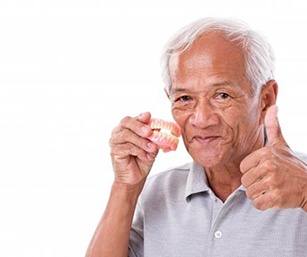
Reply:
x=259, y=56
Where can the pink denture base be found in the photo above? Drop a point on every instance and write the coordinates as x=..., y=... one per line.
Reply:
x=164, y=134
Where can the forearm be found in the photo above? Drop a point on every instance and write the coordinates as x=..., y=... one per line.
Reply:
x=111, y=238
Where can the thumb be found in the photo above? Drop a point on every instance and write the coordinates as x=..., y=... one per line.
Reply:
x=144, y=117
x=272, y=127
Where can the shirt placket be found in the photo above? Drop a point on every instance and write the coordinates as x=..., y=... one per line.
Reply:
x=221, y=214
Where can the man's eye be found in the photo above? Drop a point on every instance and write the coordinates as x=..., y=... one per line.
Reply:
x=223, y=96
x=183, y=98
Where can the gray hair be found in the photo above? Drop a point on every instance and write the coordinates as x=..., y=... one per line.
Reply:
x=259, y=56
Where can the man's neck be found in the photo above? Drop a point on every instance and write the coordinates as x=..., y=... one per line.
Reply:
x=224, y=181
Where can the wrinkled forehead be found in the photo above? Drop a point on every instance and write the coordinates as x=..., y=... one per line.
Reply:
x=209, y=53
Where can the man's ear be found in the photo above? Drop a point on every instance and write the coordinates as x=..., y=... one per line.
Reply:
x=268, y=97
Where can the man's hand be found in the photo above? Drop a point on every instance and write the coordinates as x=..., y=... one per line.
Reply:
x=132, y=157
x=272, y=175
x=132, y=153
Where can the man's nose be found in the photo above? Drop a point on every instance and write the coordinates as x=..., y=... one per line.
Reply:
x=204, y=115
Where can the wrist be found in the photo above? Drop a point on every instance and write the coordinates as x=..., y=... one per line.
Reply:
x=126, y=192
x=122, y=202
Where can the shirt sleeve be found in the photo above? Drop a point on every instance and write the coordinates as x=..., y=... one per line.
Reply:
x=136, y=243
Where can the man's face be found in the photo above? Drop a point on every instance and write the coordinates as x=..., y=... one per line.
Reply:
x=213, y=104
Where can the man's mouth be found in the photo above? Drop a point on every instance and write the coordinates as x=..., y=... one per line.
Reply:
x=165, y=134
x=205, y=139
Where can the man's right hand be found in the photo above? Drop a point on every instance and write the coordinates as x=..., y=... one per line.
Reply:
x=132, y=153
x=132, y=156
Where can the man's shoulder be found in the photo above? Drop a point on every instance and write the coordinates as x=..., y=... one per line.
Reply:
x=172, y=173
x=169, y=180
x=301, y=155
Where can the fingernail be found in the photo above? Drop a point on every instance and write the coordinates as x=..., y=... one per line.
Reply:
x=150, y=146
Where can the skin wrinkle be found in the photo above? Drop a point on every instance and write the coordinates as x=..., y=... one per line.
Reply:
x=206, y=70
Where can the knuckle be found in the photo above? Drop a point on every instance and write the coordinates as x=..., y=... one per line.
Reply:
x=260, y=205
x=125, y=120
x=244, y=180
x=121, y=137
x=129, y=147
x=124, y=135
x=250, y=192
x=268, y=153
x=114, y=131
x=273, y=180
x=124, y=150
x=276, y=194
x=132, y=149
x=270, y=165
x=111, y=141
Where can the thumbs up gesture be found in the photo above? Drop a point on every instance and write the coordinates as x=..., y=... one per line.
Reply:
x=273, y=176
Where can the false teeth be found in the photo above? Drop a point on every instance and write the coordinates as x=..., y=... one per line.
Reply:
x=164, y=134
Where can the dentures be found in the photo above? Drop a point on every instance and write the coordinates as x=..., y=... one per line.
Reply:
x=165, y=134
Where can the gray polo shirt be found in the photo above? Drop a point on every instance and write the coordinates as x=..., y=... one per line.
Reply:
x=179, y=215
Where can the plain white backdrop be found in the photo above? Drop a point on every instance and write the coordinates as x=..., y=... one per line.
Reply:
x=70, y=70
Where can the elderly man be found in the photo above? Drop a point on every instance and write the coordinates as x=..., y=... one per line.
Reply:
x=244, y=194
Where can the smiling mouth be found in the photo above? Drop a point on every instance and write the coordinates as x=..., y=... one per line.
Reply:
x=165, y=134
x=207, y=139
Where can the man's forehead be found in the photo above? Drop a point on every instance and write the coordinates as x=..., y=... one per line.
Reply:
x=209, y=55
x=208, y=47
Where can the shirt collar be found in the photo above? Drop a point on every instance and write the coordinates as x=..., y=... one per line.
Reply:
x=197, y=181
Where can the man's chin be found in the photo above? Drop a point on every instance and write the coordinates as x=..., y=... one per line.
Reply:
x=207, y=158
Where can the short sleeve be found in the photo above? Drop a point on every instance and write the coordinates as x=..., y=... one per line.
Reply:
x=136, y=243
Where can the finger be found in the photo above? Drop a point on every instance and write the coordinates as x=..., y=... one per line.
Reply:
x=262, y=202
x=252, y=160
x=273, y=130
x=127, y=136
x=252, y=176
x=137, y=125
x=266, y=201
x=121, y=151
x=256, y=190
x=266, y=168
x=144, y=117
x=262, y=156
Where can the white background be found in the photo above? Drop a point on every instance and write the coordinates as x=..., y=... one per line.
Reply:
x=70, y=70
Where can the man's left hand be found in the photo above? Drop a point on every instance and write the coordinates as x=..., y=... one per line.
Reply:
x=272, y=175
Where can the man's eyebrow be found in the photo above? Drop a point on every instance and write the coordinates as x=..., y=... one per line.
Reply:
x=223, y=84
x=218, y=84
x=178, y=89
